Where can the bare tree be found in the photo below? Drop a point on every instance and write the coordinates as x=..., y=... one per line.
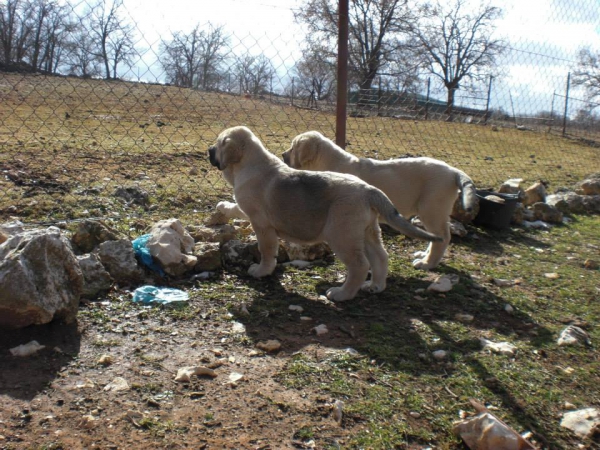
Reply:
x=254, y=73
x=587, y=73
x=316, y=75
x=194, y=59
x=15, y=29
x=376, y=30
x=112, y=35
x=456, y=44
x=81, y=58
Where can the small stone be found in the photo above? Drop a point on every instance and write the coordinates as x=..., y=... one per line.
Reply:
x=573, y=335
x=235, y=377
x=321, y=329
x=464, y=317
x=414, y=414
x=552, y=276
x=296, y=308
x=238, y=328
x=503, y=348
x=582, y=422
x=88, y=422
x=442, y=284
x=27, y=349
x=338, y=413
x=119, y=384
x=185, y=373
x=440, y=354
x=269, y=346
x=105, y=360
x=590, y=264
x=509, y=309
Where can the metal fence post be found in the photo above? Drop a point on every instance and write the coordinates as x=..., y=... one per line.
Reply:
x=564, y=131
x=487, y=105
x=342, y=74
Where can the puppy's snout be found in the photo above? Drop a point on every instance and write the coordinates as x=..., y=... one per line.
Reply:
x=212, y=151
x=286, y=156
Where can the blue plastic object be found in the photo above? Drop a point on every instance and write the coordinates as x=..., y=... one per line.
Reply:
x=140, y=248
x=152, y=295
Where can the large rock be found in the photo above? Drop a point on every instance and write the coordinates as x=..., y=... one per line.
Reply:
x=208, y=256
x=571, y=203
x=589, y=186
x=460, y=214
x=40, y=279
x=547, y=213
x=307, y=252
x=97, y=280
x=91, y=233
x=583, y=422
x=215, y=233
x=119, y=260
x=535, y=193
x=171, y=245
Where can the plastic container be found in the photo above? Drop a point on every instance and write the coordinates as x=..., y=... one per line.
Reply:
x=493, y=214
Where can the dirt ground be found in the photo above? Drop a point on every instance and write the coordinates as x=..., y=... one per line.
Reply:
x=58, y=398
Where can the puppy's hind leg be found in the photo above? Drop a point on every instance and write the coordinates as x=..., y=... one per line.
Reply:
x=353, y=256
x=378, y=259
x=434, y=254
x=268, y=245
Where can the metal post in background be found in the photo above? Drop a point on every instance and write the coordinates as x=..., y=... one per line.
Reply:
x=487, y=105
x=427, y=99
x=566, y=104
x=342, y=74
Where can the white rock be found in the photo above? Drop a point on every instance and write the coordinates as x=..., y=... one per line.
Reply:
x=119, y=384
x=442, y=284
x=503, y=348
x=234, y=377
x=296, y=308
x=464, y=317
x=321, y=329
x=573, y=335
x=269, y=346
x=27, y=349
x=185, y=373
x=238, y=328
x=298, y=263
x=509, y=309
x=538, y=224
x=581, y=422
x=440, y=354
x=338, y=411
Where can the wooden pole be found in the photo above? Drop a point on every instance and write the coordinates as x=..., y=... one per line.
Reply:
x=342, y=74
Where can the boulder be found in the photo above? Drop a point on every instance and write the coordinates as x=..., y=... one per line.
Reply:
x=91, y=233
x=171, y=245
x=10, y=229
x=306, y=252
x=208, y=256
x=547, y=213
x=583, y=422
x=569, y=202
x=589, y=186
x=119, y=260
x=133, y=195
x=460, y=214
x=40, y=279
x=216, y=233
x=535, y=193
x=512, y=186
x=97, y=280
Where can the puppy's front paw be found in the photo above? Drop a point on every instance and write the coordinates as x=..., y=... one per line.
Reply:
x=337, y=294
x=369, y=286
x=422, y=264
x=225, y=207
x=259, y=271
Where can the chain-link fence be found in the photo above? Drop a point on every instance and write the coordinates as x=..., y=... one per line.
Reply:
x=106, y=111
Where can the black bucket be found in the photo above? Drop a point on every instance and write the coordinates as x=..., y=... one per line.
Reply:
x=493, y=214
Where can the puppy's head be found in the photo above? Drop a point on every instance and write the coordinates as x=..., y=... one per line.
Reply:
x=230, y=146
x=304, y=150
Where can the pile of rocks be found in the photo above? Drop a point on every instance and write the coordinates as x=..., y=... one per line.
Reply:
x=537, y=205
x=44, y=272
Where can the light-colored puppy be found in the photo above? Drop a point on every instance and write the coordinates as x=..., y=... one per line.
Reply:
x=308, y=207
x=425, y=187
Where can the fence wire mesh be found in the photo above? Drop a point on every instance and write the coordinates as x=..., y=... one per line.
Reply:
x=106, y=111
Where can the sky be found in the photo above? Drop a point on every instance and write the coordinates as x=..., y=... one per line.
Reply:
x=545, y=37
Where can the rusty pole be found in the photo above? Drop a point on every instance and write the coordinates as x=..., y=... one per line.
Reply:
x=342, y=74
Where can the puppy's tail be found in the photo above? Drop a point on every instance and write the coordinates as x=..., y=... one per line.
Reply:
x=467, y=189
x=383, y=205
